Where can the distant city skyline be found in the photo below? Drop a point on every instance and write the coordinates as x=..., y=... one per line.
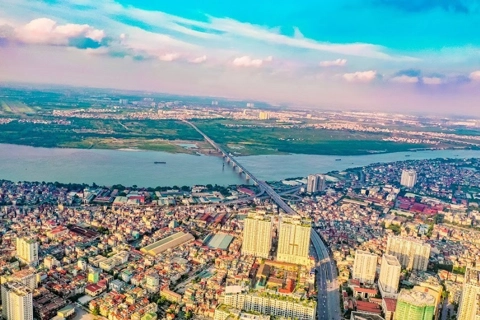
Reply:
x=374, y=55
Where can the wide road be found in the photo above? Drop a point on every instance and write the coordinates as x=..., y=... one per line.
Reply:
x=328, y=306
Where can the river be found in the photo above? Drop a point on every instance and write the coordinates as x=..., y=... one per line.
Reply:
x=107, y=167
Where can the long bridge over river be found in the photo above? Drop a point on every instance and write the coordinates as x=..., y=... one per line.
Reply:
x=248, y=175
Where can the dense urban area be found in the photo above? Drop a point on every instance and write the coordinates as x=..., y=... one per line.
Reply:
x=403, y=237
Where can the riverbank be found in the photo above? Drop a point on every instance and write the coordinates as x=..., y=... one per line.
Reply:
x=160, y=145
x=238, y=150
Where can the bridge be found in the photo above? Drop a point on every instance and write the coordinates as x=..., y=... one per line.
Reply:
x=328, y=298
x=261, y=184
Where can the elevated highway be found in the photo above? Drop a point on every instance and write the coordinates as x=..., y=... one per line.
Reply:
x=328, y=295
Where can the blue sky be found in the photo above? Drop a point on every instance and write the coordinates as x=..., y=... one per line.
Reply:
x=418, y=55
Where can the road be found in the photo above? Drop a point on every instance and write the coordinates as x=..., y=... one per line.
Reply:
x=328, y=306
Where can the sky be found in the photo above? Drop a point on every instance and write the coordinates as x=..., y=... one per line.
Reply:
x=373, y=55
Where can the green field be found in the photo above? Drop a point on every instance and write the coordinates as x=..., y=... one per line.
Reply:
x=266, y=140
x=14, y=107
x=101, y=134
x=251, y=138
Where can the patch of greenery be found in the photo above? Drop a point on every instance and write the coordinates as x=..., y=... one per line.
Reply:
x=101, y=134
x=245, y=138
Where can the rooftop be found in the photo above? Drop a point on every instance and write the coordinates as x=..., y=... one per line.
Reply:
x=417, y=298
x=19, y=288
x=365, y=316
x=391, y=260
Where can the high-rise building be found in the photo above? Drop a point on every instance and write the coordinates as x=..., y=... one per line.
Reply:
x=412, y=254
x=27, y=250
x=27, y=277
x=365, y=266
x=294, y=240
x=389, y=278
x=470, y=302
x=315, y=183
x=414, y=305
x=16, y=301
x=257, y=235
x=409, y=178
x=264, y=115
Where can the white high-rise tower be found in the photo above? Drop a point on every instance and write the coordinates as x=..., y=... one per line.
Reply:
x=412, y=254
x=294, y=240
x=409, y=178
x=365, y=266
x=257, y=235
x=389, y=279
x=470, y=305
x=27, y=250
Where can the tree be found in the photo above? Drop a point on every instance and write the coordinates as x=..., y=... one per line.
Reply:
x=96, y=311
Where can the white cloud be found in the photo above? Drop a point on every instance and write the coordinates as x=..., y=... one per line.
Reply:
x=200, y=59
x=404, y=79
x=237, y=29
x=178, y=34
x=247, y=61
x=47, y=32
x=360, y=76
x=333, y=63
x=169, y=56
x=475, y=75
x=432, y=80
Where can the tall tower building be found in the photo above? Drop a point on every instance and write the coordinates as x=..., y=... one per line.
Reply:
x=365, y=266
x=389, y=278
x=409, y=178
x=414, y=305
x=469, y=305
x=294, y=240
x=27, y=250
x=16, y=301
x=27, y=277
x=412, y=254
x=257, y=235
x=315, y=183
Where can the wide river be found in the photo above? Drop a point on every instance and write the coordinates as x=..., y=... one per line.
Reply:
x=107, y=167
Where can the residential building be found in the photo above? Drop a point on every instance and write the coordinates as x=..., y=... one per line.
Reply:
x=93, y=275
x=294, y=240
x=355, y=315
x=27, y=277
x=409, y=178
x=389, y=278
x=17, y=301
x=27, y=250
x=469, y=305
x=365, y=266
x=414, y=305
x=263, y=115
x=388, y=307
x=257, y=235
x=315, y=183
x=412, y=254
x=271, y=304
